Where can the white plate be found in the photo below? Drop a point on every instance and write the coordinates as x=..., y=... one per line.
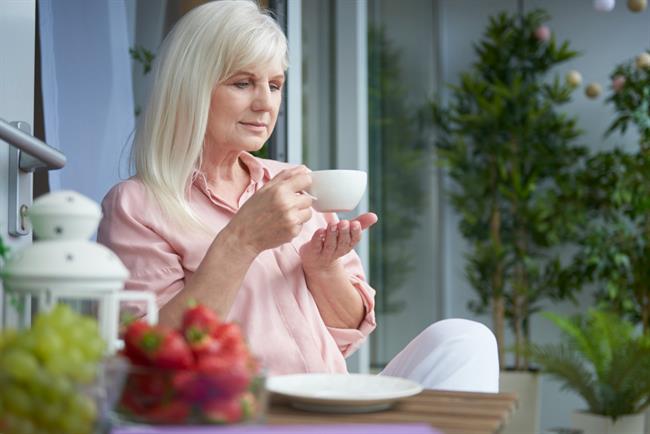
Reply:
x=342, y=393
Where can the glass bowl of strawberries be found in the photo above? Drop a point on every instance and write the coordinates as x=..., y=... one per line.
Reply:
x=201, y=373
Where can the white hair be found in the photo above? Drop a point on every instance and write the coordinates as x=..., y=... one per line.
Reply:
x=207, y=46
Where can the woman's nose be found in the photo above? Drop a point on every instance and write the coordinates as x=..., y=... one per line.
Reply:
x=262, y=99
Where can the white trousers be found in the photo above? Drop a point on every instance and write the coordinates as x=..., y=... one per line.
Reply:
x=453, y=354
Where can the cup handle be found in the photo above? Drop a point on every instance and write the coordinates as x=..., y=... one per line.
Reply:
x=129, y=295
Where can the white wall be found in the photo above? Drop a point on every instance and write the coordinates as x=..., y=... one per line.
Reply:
x=17, y=35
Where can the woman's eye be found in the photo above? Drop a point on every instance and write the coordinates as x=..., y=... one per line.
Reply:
x=275, y=86
x=242, y=84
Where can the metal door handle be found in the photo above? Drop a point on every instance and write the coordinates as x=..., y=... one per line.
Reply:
x=26, y=154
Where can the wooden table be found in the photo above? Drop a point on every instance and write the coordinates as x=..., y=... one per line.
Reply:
x=449, y=412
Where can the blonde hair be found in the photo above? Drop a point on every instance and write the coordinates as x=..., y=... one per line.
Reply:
x=207, y=46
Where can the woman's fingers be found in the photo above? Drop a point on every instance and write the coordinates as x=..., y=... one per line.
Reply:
x=302, y=201
x=316, y=242
x=331, y=238
x=296, y=179
x=299, y=183
x=289, y=173
x=303, y=215
x=344, y=239
x=366, y=220
x=355, y=232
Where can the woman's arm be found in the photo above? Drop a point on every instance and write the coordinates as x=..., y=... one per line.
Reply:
x=338, y=301
x=271, y=217
x=215, y=282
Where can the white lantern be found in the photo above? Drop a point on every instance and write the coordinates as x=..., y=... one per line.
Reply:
x=62, y=265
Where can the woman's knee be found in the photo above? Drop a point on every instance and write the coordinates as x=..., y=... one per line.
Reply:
x=462, y=332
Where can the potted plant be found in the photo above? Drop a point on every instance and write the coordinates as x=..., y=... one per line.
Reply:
x=607, y=362
x=509, y=150
x=613, y=195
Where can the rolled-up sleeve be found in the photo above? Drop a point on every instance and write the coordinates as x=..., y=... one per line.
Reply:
x=348, y=340
x=127, y=230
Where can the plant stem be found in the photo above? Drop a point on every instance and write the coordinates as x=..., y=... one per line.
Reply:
x=641, y=294
x=520, y=281
x=498, y=314
x=498, y=303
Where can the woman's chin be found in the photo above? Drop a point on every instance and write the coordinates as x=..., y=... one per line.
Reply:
x=250, y=149
x=254, y=147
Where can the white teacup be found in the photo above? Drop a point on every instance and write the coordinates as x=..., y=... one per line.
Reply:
x=337, y=190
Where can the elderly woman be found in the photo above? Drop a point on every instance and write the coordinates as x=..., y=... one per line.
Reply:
x=203, y=219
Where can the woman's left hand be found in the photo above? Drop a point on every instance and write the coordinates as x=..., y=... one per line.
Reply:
x=320, y=254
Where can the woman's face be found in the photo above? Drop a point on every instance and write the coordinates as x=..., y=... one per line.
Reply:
x=244, y=108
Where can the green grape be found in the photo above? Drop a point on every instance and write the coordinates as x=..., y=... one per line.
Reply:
x=57, y=366
x=39, y=369
x=48, y=344
x=62, y=318
x=7, y=337
x=83, y=407
x=84, y=373
x=38, y=384
x=89, y=326
x=48, y=414
x=74, y=360
x=17, y=400
x=24, y=340
x=19, y=364
x=71, y=424
x=14, y=424
x=26, y=427
x=60, y=387
x=48, y=430
x=54, y=412
x=93, y=348
x=75, y=337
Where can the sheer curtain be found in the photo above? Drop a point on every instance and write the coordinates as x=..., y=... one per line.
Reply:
x=87, y=91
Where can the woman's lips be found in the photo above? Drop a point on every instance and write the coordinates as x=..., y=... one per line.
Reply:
x=254, y=126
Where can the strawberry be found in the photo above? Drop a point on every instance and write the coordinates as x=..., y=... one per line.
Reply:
x=228, y=330
x=204, y=345
x=173, y=412
x=134, y=332
x=165, y=348
x=231, y=339
x=229, y=375
x=198, y=321
x=130, y=402
x=223, y=411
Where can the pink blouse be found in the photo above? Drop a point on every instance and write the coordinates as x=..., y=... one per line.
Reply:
x=274, y=306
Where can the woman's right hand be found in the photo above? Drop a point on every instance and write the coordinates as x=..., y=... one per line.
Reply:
x=274, y=215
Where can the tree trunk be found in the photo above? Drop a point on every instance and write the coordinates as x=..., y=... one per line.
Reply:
x=498, y=315
x=643, y=298
x=521, y=329
x=498, y=302
x=645, y=317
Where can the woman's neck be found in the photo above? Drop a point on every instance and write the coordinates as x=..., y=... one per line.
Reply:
x=226, y=175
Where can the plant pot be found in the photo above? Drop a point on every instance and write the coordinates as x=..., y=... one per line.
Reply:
x=525, y=419
x=594, y=423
